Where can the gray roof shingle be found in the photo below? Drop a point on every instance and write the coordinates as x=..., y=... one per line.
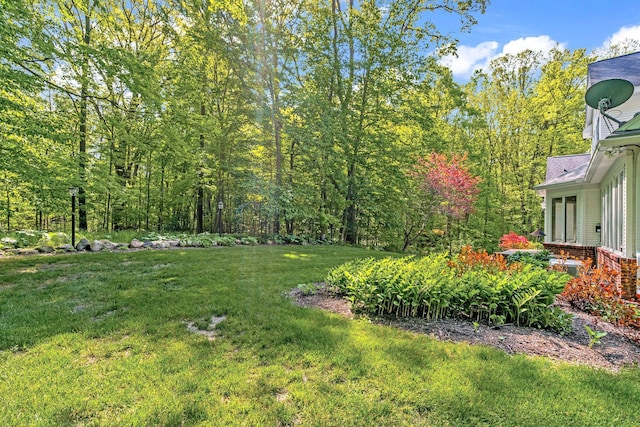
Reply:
x=559, y=165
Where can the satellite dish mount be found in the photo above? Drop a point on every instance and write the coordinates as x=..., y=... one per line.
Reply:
x=608, y=94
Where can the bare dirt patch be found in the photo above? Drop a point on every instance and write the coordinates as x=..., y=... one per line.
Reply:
x=209, y=330
x=619, y=348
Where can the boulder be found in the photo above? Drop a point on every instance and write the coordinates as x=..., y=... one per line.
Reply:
x=27, y=252
x=65, y=248
x=136, y=244
x=82, y=245
x=174, y=243
x=147, y=244
x=96, y=246
x=45, y=249
x=160, y=244
x=108, y=245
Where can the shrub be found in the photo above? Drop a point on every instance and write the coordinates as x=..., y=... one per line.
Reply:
x=251, y=241
x=540, y=259
x=54, y=239
x=596, y=291
x=474, y=286
x=468, y=259
x=515, y=241
x=223, y=240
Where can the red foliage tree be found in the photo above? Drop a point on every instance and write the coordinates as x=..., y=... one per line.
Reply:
x=448, y=183
x=515, y=241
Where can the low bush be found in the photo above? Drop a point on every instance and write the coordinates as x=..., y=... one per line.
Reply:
x=540, y=259
x=515, y=241
x=596, y=291
x=251, y=241
x=474, y=286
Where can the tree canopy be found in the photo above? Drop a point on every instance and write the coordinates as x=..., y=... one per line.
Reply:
x=268, y=117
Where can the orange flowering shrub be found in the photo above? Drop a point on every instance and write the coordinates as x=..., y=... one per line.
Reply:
x=596, y=291
x=468, y=259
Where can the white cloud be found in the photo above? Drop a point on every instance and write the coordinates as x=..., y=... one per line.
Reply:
x=623, y=35
x=469, y=58
x=537, y=44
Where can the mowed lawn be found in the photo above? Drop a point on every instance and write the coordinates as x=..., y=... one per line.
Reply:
x=101, y=339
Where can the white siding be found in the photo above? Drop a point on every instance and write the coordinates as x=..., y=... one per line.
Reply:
x=591, y=216
x=579, y=218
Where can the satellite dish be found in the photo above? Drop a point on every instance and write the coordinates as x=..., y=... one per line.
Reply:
x=608, y=94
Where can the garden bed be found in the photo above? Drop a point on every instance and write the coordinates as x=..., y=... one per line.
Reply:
x=619, y=348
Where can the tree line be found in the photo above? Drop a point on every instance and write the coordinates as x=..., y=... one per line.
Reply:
x=266, y=117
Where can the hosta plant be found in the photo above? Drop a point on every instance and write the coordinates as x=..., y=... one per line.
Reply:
x=474, y=286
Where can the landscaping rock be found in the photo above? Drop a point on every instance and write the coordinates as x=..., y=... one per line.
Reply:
x=27, y=252
x=147, y=244
x=45, y=249
x=160, y=244
x=65, y=248
x=108, y=245
x=82, y=245
x=174, y=243
x=136, y=244
x=95, y=246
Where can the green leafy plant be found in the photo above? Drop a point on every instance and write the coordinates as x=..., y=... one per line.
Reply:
x=307, y=288
x=474, y=286
x=594, y=336
x=539, y=259
x=251, y=241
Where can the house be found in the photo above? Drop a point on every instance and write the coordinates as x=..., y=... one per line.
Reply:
x=592, y=201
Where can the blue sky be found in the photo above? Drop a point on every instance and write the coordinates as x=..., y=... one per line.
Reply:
x=510, y=26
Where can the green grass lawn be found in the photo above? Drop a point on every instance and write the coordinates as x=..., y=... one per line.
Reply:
x=101, y=339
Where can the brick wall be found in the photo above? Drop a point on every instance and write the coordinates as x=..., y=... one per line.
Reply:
x=627, y=268
x=574, y=251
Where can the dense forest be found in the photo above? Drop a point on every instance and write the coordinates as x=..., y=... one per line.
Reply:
x=272, y=117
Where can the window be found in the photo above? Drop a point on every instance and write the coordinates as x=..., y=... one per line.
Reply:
x=563, y=219
x=613, y=213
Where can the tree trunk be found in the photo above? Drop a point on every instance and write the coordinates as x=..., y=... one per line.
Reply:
x=200, y=196
x=350, y=215
x=82, y=158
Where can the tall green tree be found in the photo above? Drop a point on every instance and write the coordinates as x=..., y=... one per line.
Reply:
x=359, y=58
x=528, y=106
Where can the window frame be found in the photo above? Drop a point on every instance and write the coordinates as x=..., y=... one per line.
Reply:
x=614, y=202
x=563, y=208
